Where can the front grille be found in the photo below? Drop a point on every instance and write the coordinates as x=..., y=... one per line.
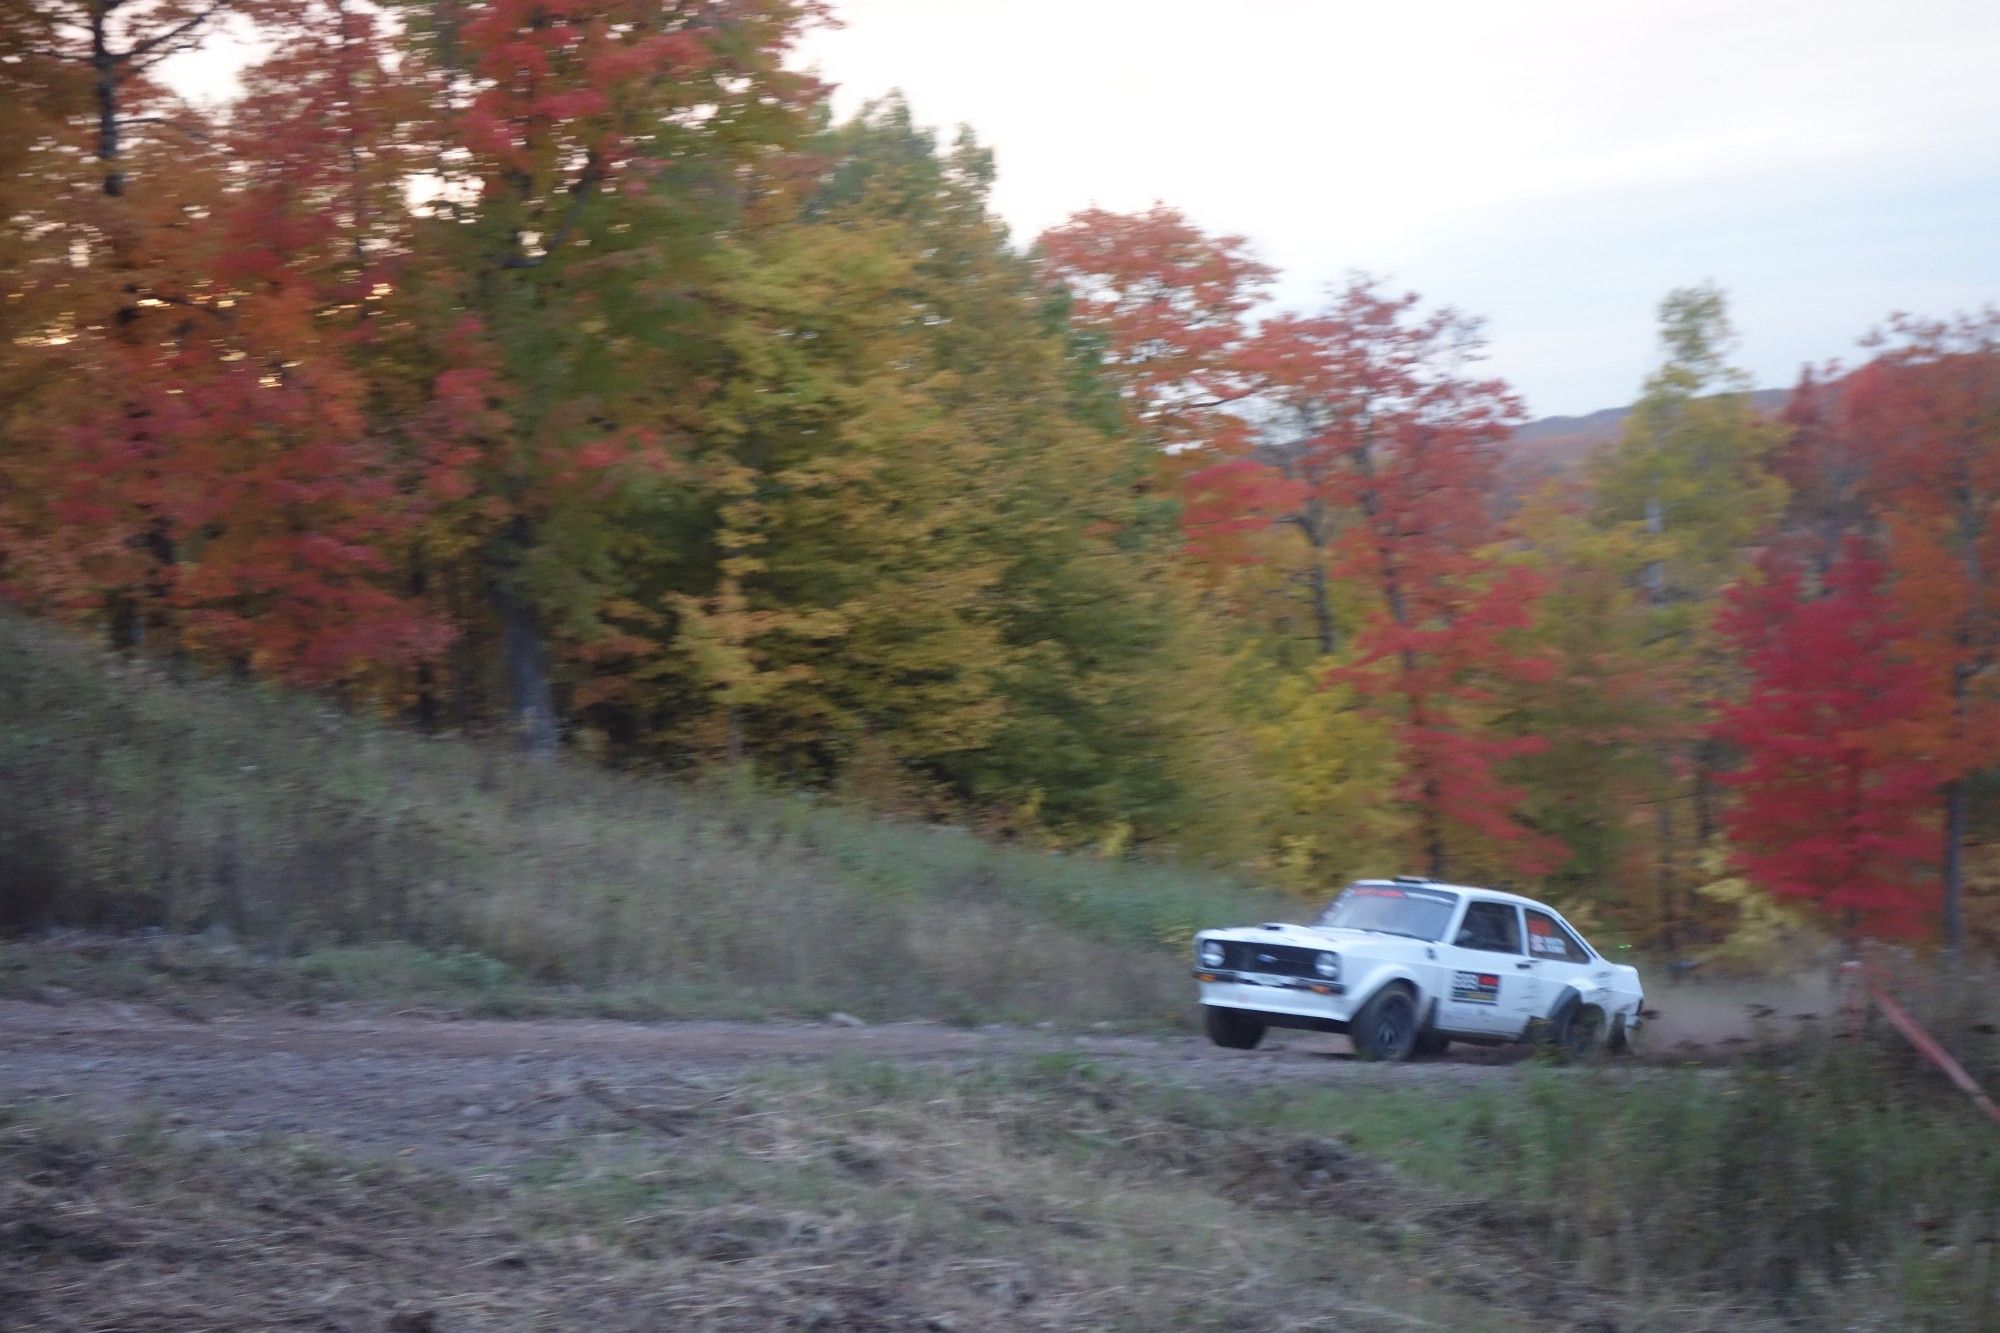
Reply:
x=1280, y=960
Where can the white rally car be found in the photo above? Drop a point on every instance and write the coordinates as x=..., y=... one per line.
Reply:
x=1407, y=966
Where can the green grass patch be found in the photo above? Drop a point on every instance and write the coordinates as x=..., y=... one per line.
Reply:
x=1819, y=1181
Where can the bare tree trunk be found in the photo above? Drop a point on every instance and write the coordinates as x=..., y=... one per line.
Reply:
x=1656, y=570
x=1433, y=831
x=1663, y=813
x=530, y=701
x=1663, y=863
x=425, y=709
x=1327, y=634
x=104, y=64
x=1956, y=799
x=1310, y=521
x=125, y=628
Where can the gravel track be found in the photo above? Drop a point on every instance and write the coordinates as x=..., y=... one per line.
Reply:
x=472, y=1092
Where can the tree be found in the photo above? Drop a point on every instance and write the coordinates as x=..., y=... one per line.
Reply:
x=1686, y=493
x=1827, y=467
x=1600, y=709
x=1393, y=443
x=230, y=498
x=908, y=554
x=288, y=568
x=120, y=43
x=1169, y=303
x=41, y=97
x=1831, y=809
x=111, y=213
x=596, y=152
x=1929, y=406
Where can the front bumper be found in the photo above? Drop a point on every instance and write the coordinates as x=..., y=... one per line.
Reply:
x=1303, y=997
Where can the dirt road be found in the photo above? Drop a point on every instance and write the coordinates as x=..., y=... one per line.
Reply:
x=579, y=1173
x=458, y=1093
x=469, y=1091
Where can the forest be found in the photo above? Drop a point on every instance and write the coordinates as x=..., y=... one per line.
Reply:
x=569, y=370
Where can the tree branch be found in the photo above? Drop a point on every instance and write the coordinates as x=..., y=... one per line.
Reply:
x=594, y=175
x=170, y=122
x=174, y=34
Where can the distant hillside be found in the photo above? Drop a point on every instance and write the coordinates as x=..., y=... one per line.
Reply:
x=1555, y=445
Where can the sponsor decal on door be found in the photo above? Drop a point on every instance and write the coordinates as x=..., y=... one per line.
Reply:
x=1475, y=987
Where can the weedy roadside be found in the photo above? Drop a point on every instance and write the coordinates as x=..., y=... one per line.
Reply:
x=1052, y=1193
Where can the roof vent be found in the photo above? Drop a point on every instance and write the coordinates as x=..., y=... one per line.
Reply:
x=1410, y=879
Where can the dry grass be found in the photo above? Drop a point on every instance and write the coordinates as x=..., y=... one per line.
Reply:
x=220, y=807
x=1051, y=1198
x=1796, y=1190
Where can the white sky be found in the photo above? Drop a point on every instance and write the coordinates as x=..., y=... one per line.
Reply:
x=1553, y=165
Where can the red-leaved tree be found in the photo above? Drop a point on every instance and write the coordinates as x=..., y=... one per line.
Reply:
x=1169, y=302
x=1832, y=807
x=1170, y=305
x=1393, y=446
x=1929, y=409
x=290, y=558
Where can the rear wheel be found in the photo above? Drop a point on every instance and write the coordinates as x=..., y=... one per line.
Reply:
x=1386, y=1027
x=1234, y=1028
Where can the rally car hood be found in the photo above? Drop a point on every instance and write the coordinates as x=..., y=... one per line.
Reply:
x=1309, y=937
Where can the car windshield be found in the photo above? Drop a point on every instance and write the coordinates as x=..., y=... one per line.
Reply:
x=1392, y=909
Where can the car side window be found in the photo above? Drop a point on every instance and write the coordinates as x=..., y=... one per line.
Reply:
x=1547, y=939
x=1490, y=926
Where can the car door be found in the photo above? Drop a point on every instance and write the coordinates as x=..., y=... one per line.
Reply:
x=1557, y=959
x=1486, y=989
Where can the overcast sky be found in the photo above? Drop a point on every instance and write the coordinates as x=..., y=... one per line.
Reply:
x=1553, y=165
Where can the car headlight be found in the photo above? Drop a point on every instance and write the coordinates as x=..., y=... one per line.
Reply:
x=1328, y=966
x=1210, y=953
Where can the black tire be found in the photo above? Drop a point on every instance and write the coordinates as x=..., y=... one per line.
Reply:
x=1386, y=1027
x=1430, y=1043
x=1234, y=1028
x=1578, y=1033
x=1623, y=1040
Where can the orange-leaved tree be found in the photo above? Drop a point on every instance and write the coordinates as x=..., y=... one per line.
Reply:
x=107, y=219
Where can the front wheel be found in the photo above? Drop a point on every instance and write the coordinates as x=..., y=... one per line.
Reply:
x=1386, y=1027
x=1579, y=1032
x=1233, y=1028
x=1624, y=1039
